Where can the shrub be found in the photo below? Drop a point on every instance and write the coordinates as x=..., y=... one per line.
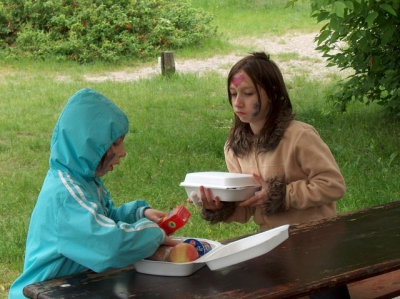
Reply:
x=85, y=30
x=363, y=35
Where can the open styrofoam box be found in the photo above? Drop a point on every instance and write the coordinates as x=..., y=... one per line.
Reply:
x=227, y=186
x=220, y=256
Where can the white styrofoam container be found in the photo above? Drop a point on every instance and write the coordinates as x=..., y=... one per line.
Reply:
x=174, y=269
x=220, y=256
x=227, y=186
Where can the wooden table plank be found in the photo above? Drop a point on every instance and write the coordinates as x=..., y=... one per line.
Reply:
x=317, y=255
x=385, y=286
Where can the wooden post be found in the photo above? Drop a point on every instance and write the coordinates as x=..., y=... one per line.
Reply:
x=167, y=63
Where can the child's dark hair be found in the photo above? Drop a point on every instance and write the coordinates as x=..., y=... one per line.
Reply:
x=265, y=74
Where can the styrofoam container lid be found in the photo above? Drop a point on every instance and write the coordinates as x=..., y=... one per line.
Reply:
x=246, y=248
x=220, y=256
x=219, y=180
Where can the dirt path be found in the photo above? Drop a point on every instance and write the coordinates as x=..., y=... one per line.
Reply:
x=308, y=61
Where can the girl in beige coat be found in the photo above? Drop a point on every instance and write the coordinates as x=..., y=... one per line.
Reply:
x=299, y=176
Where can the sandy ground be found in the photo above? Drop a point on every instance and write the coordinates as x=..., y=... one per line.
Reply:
x=308, y=61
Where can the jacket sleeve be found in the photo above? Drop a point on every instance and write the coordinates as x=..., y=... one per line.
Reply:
x=98, y=242
x=129, y=212
x=324, y=183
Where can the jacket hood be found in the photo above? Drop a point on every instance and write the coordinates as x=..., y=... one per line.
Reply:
x=85, y=130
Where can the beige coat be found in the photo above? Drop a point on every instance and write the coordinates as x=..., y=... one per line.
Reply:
x=313, y=178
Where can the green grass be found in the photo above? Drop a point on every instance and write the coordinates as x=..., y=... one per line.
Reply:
x=245, y=19
x=259, y=17
x=178, y=125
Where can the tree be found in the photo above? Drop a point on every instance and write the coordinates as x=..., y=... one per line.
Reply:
x=363, y=35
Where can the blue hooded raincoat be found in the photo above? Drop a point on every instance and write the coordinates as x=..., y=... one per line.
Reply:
x=75, y=225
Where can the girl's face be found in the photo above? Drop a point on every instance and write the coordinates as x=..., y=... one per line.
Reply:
x=112, y=157
x=245, y=102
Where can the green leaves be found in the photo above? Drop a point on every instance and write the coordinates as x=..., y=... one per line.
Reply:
x=368, y=33
x=389, y=9
x=370, y=18
x=338, y=8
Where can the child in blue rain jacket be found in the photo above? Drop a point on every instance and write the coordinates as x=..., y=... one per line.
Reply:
x=75, y=225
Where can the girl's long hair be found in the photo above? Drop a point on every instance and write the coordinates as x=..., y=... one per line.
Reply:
x=265, y=74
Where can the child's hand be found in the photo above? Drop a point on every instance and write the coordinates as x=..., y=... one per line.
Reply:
x=155, y=215
x=208, y=202
x=194, y=199
x=259, y=197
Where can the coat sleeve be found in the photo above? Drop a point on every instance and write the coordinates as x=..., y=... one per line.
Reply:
x=324, y=184
x=129, y=212
x=98, y=242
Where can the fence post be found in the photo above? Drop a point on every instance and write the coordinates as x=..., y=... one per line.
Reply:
x=167, y=63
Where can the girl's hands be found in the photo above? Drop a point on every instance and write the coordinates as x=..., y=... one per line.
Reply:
x=154, y=215
x=210, y=203
x=259, y=197
x=214, y=204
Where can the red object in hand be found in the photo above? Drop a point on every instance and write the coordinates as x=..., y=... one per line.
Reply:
x=175, y=220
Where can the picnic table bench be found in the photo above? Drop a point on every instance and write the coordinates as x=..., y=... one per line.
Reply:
x=359, y=249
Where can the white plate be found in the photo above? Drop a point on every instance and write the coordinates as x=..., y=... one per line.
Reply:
x=220, y=256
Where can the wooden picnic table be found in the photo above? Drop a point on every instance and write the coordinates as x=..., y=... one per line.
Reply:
x=318, y=255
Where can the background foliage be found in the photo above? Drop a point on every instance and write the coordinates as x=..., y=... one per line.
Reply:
x=86, y=30
x=363, y=35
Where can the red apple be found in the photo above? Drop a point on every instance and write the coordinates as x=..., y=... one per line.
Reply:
x=183, y=253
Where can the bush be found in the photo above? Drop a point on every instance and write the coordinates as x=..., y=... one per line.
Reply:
x=86, y=30
x=363, y=35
